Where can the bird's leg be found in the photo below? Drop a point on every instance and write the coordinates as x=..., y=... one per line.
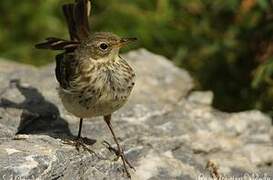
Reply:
x=119, y=152
x=81, y=142
x=80, y=128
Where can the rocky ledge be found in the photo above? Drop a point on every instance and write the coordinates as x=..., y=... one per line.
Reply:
x=168, y=131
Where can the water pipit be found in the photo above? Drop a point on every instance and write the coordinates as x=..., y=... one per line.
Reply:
x=94, y=80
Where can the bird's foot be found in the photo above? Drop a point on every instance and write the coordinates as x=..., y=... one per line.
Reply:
x=120, y=154
x=83, y=143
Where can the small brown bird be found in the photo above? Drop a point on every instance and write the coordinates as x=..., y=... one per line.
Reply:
x=94, y=80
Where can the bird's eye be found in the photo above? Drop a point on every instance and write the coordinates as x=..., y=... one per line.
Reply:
x=103, y=46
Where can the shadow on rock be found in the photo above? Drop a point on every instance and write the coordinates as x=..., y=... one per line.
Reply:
x=39, y=116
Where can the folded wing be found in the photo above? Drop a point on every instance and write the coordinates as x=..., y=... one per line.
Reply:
x=77, y=19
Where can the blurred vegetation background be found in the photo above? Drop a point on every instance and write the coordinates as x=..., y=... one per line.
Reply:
x=225, y=44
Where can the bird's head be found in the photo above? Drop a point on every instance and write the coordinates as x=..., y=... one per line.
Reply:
x=104, y=45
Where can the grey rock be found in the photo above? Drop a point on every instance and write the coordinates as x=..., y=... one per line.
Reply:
x=201, y=97
x=166, y=133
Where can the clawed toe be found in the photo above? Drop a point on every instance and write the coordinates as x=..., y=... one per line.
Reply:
x=80, y=143
x=111, y=149
x=119, y=154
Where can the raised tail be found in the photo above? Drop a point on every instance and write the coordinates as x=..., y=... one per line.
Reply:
x=77, y=18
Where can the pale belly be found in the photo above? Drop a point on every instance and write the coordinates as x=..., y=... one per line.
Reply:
x=102, y=93
x=105, y=105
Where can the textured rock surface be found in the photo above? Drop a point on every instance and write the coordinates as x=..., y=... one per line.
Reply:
x=167, y=132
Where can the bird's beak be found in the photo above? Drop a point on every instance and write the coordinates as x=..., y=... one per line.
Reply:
x=125, y=41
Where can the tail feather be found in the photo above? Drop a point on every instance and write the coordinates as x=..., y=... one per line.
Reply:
x=68, y=10
x=77, y=18
x=82, y=11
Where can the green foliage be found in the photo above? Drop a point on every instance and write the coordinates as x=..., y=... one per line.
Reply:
x=223, y=43
x=24, y=23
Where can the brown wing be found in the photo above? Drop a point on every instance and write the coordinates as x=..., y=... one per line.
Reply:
x=77, y=19
x=76, y=15
x=58, y=44
x=65, y=69
x=66, y=73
